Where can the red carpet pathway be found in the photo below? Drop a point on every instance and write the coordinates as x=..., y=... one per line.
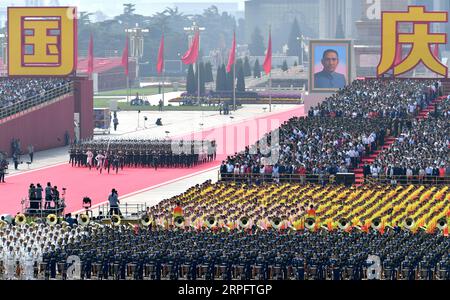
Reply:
x=81, y=182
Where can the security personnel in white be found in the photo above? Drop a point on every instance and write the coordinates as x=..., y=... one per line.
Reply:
x=27, y=263
x=9, y=261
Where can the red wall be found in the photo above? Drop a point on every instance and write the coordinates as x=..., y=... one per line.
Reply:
x=44, y=128
x=84, y=105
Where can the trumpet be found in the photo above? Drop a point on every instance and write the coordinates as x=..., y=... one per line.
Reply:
x=145, y=220
x=211, y=222
x=409, y=223
x=84, y=219
x=310, y=223
x=52, y=219
x=115, y=220
x=244, y=223
x=376, y=223
x=442, y=224
x=20, y=219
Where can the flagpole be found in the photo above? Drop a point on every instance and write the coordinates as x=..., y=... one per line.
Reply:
x=198, y=83
x=162, y=73
x=162, y=78
x=270, y=91
x=128, y=89
x=270, y=72
x=234, y=85
x=198, y=70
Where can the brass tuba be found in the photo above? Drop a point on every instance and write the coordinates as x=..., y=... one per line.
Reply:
x=52, y=219
x=409, y=223
x=211, y=222
x=343, y=224
x=83, y=219
x=442, y=223
x=115, y=220
x=20, y=219
x=310, y=223
x=376, y=223
x=276, y=222
x=244, y=223
x=179, y=221
x=145, y=220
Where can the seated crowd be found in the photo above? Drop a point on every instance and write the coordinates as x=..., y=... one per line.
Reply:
x=20, y=89
x=421, y=150
x=312, y=146
x=347, y=127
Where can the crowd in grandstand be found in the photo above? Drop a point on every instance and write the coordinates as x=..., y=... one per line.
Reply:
x=116, y=154
x=313, y=146
x=348, y=126
x=20, y=89
x=422, y=149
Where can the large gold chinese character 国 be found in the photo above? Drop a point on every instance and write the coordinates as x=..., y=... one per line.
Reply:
x=42, y=41
x=421, y=40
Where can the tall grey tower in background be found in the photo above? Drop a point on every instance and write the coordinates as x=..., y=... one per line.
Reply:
x=41, y=2
x=34, y=2
x=339, y=13
x=368, y=40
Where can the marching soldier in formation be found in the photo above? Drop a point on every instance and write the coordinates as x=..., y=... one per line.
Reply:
x=142, y=154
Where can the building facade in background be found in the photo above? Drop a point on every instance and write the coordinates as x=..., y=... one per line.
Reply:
x=280, y=14
x=339, y=13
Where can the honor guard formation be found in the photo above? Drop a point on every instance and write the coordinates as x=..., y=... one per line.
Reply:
x=115, y=154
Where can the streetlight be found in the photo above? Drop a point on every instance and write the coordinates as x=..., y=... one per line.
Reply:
x=136, y=44
x=302, y=39
x=4, y=47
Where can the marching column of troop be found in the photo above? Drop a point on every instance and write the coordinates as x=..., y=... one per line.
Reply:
x=115, y=154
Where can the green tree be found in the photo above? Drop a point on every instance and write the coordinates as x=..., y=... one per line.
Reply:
x=257, y=69
x=191, y=84
x=247, y=68
x=221, y=82
x=293, y=43
x=208, y=72
x=240, y=85
x=340, y=28
x=295, y=64
x=285, y=66
x=256, y=46
x=229, y=79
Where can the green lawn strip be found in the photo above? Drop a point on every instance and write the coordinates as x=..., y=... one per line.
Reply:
x=145, y=91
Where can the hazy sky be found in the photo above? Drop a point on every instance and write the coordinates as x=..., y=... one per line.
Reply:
x=111, y=7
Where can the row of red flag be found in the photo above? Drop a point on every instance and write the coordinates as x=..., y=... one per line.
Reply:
x=190, y=57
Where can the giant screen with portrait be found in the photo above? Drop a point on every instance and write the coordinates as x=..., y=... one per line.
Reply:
x=330, y=65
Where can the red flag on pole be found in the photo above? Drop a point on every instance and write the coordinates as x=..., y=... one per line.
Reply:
x=125, y=57
x=191, y=55
x=267, y=65
x=90, y=68
x=160, y=64
x=436, y=51
x=232, y=55
x=398, y=55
